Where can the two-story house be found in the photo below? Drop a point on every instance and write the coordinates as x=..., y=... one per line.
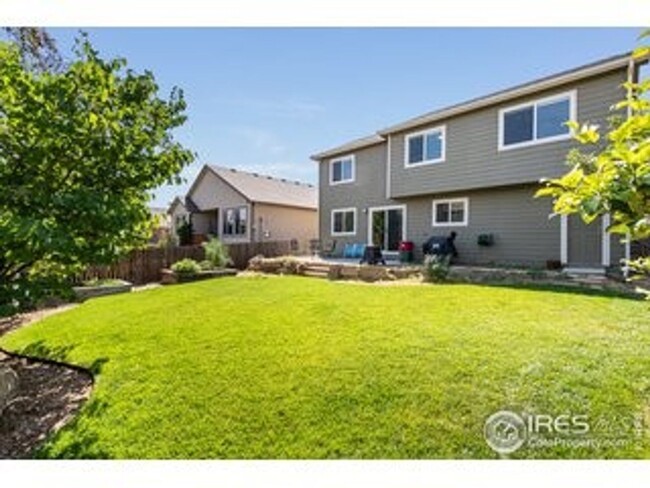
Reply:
x=474, y=168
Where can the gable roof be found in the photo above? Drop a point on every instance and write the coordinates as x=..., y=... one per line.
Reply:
x=602, y=66
x=268, y=189
x=176, y=201
x=350, y=146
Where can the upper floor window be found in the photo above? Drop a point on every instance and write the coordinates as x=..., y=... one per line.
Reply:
x=451, y=212
x=344, y=221
x=536, y=122
x=235, y=223
x=342, y=170
x=425, y=147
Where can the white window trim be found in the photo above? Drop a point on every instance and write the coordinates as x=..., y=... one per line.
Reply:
x=573, y=116
x=465, y=221
x=442, y=130
x=343, y=210
x=383, y=208
x=222, y=219
x=340, y=159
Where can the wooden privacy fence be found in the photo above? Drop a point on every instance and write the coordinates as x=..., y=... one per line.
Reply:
x=242, y=253
x=144, y=265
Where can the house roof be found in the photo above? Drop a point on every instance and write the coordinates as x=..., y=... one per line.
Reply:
x=350, y=146
x=585, y=71
x=268, y=189
x=176, y=201
x=592, y=69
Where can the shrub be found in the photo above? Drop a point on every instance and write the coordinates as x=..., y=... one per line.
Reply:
x=216, y=253
x=206, y=265
x=436, y=268
x=186, y=267
x=184, y=232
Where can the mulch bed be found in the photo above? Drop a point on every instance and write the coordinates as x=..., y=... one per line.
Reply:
x=45, y=397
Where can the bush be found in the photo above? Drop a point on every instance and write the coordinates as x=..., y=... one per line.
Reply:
x=206, y=265
x=436, y=268
x=184, y=233
x=186, y=267
x=216, y=253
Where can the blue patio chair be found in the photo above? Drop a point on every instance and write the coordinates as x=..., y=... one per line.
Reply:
x=348, y=251
x=359, y=250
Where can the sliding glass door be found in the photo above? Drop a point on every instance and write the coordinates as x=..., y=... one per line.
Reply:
x=387, y=227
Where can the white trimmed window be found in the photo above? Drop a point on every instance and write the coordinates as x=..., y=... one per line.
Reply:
x=344, y=222
x=342, y=170
x=425, y=147
x=452, y=212
x=537, y=122
x=235, y=223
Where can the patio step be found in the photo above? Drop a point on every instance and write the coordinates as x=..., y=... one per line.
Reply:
x=316, y=273
x=325, y=267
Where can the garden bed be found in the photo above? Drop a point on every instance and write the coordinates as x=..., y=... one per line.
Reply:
x=101, y=288
x=170, y=277
x=45, y=397
x=288, y=265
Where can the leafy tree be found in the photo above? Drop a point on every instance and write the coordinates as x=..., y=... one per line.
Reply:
x=37, y=48
x=612, y=176
x=80, y=151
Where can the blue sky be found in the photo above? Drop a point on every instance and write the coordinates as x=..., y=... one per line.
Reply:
x=266, y=99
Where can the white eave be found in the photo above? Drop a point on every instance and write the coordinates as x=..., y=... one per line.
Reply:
x=587, y=71
x=349, y=147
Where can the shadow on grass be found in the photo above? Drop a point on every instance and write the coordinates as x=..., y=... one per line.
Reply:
x=563, y=289
x=84, y=443
x=40, y=350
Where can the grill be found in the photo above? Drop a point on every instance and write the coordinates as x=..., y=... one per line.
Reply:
x=441, y=246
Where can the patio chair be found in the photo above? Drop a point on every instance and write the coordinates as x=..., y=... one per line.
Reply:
x=358, y=251
x=318, y=248
x=349, y=251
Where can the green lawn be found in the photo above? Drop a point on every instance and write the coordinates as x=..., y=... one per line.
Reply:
x=289, y=367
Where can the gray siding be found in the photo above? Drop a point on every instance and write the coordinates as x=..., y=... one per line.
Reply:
x=368, y=190
x=585, y=244
x=472, y=156
x=523, y=233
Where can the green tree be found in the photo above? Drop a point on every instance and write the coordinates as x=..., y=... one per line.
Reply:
x=80, y=151
x=37, y=48
x=612, y=175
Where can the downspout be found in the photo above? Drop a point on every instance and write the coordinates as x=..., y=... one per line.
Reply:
x=388, y=151
x=253, y=231
x=631, y=78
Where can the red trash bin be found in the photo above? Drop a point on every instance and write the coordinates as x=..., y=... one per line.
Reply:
x=406, y=249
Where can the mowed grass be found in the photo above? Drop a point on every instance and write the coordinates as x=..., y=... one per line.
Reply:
x=289, y=367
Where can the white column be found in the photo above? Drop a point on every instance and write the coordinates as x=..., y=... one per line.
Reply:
x=564, y=239
x=606, y=241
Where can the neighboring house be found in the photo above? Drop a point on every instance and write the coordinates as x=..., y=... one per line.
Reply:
x=239, y=206
x=163, y=224
x=473, y=168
